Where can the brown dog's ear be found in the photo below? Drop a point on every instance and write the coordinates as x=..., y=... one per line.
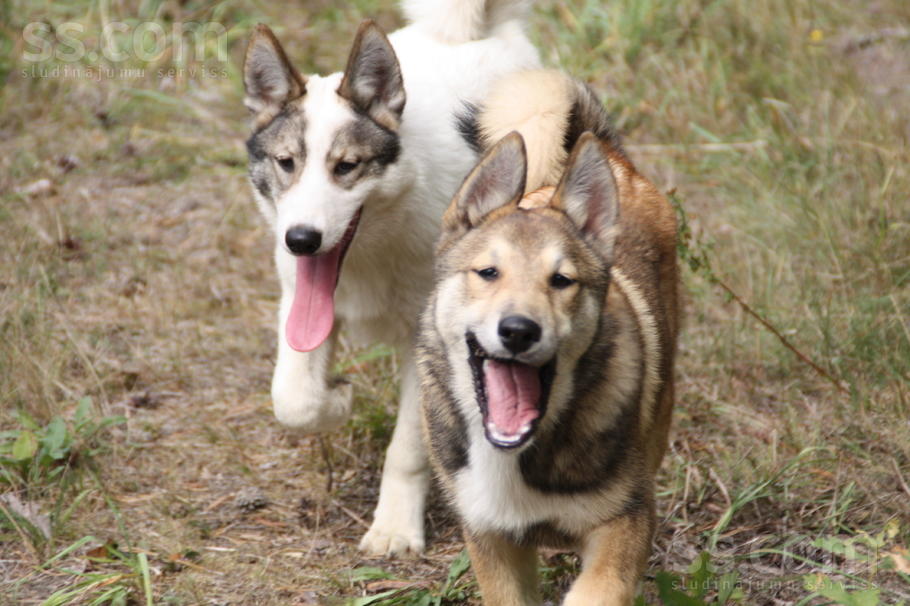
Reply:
x=587, y=192
x=497, y=180
x=268, y=77
x=372, y=80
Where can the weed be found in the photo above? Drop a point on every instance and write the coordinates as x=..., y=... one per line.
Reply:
x=821, y=586
x=45, y=460
x=702, y=586
x=451, y=591
x=35, y=455
x=110, y=587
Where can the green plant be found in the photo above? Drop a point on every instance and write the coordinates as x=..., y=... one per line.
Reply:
x=40, y=460
x=704, y=585
x=697, y=254
x=453, y=590
x=35, y=454
x=110, y=587
x=821, y=585
x=862, y=551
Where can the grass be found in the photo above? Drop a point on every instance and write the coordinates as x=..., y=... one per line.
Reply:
x=138, y=279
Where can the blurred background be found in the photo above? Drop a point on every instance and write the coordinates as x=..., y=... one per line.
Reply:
x=139, y=459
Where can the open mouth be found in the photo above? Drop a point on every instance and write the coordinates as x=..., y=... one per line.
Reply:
x=512, y=395
x=313, y=310
x=348, y=237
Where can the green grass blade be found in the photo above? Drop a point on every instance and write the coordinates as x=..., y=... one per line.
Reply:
x=68, y=550
x=146, y=578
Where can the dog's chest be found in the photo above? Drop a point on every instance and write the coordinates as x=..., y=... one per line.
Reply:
x=492, y=495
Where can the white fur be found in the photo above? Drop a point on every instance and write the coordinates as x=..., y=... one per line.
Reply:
x=304, y=203
x=464, y=20
x=388, y=270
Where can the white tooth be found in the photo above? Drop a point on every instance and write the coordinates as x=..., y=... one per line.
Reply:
x=501, y=437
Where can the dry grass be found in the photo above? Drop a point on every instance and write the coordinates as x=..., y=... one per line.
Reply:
x=140, y=276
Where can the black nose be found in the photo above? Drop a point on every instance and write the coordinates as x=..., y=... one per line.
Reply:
x=303, y=240
x=518, y=333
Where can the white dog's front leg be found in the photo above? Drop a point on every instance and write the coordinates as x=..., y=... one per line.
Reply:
x=301, y=395
x=397, y=526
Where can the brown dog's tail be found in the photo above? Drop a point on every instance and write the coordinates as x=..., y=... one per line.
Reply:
x=550, y=110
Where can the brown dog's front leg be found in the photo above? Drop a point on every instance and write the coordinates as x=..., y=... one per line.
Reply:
x=506, y=572
x=614, y=558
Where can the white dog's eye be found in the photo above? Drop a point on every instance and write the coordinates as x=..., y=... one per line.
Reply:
x=487, y=273
x=344, y=167
x=559, y=281
x=286, y=163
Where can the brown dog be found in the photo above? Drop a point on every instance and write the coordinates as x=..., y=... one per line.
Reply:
x=546, y=350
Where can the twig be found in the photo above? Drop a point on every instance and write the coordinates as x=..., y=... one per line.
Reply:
x=900, y=317
x=702, y=147
x=685, y=498
x=86, y=361
x=22, y=535
x=193, y=565
x=693, y=252
x=216, y=503
x=720, y=485
x=325, y=449
x=47, y=375
x=351, y=514
x=900, y=476
x=783, y=340
x=894, y=33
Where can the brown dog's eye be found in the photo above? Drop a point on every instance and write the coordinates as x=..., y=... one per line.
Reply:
x=560, y=281
x=487, y=273
x=286, y=163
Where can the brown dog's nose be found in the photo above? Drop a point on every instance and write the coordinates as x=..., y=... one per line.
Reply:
x=518, y=333
x=303, y=240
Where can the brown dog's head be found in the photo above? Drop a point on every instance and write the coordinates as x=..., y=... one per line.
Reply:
x=522, y=280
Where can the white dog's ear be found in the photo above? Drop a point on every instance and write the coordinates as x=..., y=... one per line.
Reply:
x=587, y=192
x=372, y=80
x=497, y=180
x=268, y=77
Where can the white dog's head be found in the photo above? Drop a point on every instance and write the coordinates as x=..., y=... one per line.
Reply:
x=321, y=148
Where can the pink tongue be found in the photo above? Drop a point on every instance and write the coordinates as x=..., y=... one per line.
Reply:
x=313, y=309
x=513, y=391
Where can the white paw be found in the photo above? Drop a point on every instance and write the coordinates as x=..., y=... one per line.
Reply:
x=391, y=540
x=298, y=407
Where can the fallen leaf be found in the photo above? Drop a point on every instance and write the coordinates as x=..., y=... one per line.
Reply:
x=28, y=511
x=139, y=498
x=901, y=558
x=41, y=187
x=101, y=551
x=387, y=584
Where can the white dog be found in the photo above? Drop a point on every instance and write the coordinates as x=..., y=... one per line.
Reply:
x=356, y=168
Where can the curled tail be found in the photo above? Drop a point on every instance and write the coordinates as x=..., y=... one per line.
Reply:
x=549, y=109
x=459, y=21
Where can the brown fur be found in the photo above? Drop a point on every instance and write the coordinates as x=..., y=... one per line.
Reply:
x=603, y=436
x=505, y=571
